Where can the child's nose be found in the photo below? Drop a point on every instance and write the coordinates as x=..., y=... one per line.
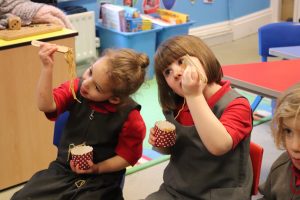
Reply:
x=86, y=83
x=178, y=71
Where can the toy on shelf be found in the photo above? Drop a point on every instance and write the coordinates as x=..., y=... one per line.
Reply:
x=172, y=16
x=150, y=6
x=168, y=4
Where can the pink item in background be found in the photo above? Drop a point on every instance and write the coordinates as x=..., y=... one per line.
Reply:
x=150, y=6
x=80, y=156
x=165, y=134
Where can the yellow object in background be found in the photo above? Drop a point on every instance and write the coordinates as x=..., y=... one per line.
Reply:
x=172, y=16
x=146, y=24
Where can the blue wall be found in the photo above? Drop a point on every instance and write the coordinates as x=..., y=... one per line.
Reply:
x=239, y=8
x=201, y=13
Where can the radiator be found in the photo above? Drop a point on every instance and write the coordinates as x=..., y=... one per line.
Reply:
x=85, y=42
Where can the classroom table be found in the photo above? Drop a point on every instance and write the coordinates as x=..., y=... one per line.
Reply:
x=291, y=52
x=267, y=79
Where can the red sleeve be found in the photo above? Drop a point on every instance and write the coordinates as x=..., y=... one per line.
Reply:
x=130, y=145
x=63, y=98
x=237, y=119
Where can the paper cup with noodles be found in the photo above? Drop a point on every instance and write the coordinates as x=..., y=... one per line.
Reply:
x=81, y=154
x=165, y=134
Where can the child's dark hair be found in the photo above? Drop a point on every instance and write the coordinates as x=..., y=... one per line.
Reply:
x=127, y=69
x=172, y=50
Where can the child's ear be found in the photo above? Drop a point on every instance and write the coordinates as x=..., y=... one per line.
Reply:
x=114, y=100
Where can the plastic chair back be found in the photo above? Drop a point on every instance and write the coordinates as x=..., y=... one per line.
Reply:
x=59, y=126
x=256, y=154
x=278, y=34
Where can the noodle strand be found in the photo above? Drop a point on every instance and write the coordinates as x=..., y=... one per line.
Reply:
x=69, y=57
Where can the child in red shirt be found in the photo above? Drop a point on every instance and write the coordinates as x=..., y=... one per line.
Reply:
x=210, y=158
x=103, y=116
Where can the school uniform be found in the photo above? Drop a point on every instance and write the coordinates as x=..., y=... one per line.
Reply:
x=283, y=182
x=102, y=131
x=194, y=173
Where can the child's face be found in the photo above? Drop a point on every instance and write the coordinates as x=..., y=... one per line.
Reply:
x=96, y=85
x=173, y=75
x=291, y=131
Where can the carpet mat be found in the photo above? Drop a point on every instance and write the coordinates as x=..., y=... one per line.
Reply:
x=147, y=96
x=263, y=112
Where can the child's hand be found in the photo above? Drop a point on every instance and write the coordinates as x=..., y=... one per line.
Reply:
x=46, y=54
x=92, y=170
x=152, y=138
x=193, y=79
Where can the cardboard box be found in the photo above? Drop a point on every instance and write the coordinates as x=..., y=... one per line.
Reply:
x=113, y=17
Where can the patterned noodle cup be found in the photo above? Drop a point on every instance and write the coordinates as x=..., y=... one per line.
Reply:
x=165, y=134
x=80, y=156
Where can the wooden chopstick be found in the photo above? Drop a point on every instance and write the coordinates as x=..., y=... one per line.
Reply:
x=62, y=49
x=191, y=62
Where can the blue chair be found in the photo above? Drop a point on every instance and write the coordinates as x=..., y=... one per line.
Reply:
x=58, y=130
x=280, y=34
x=59, y=126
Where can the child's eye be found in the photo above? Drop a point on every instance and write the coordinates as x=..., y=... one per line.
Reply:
x=98, y=90
x=167, y=72
x=287, y=131
x=180, y=61
x=90, y=71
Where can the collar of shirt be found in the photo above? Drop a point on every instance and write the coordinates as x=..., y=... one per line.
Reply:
x=215, y=97
x=185, y=118
x=103, y=107
x=296, y=173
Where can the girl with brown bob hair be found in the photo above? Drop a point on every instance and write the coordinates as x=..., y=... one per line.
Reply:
x=210, y=157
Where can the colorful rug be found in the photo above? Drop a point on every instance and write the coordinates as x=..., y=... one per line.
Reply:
x=263, y=112
x=147, y=96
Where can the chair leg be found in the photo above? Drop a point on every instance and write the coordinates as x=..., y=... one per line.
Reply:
x=256, y=102
x=273, y=105
x=264, y=59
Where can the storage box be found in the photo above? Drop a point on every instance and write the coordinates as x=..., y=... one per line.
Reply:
x=134, y=24
x=143, y=41
x=172, y=30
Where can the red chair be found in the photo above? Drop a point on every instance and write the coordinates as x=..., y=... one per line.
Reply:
x=256, y=154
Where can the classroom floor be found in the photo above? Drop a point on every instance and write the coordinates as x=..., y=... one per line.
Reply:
x=139, y=184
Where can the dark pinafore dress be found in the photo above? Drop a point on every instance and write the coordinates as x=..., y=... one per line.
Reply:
x=194, y=173
x=99, y=130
